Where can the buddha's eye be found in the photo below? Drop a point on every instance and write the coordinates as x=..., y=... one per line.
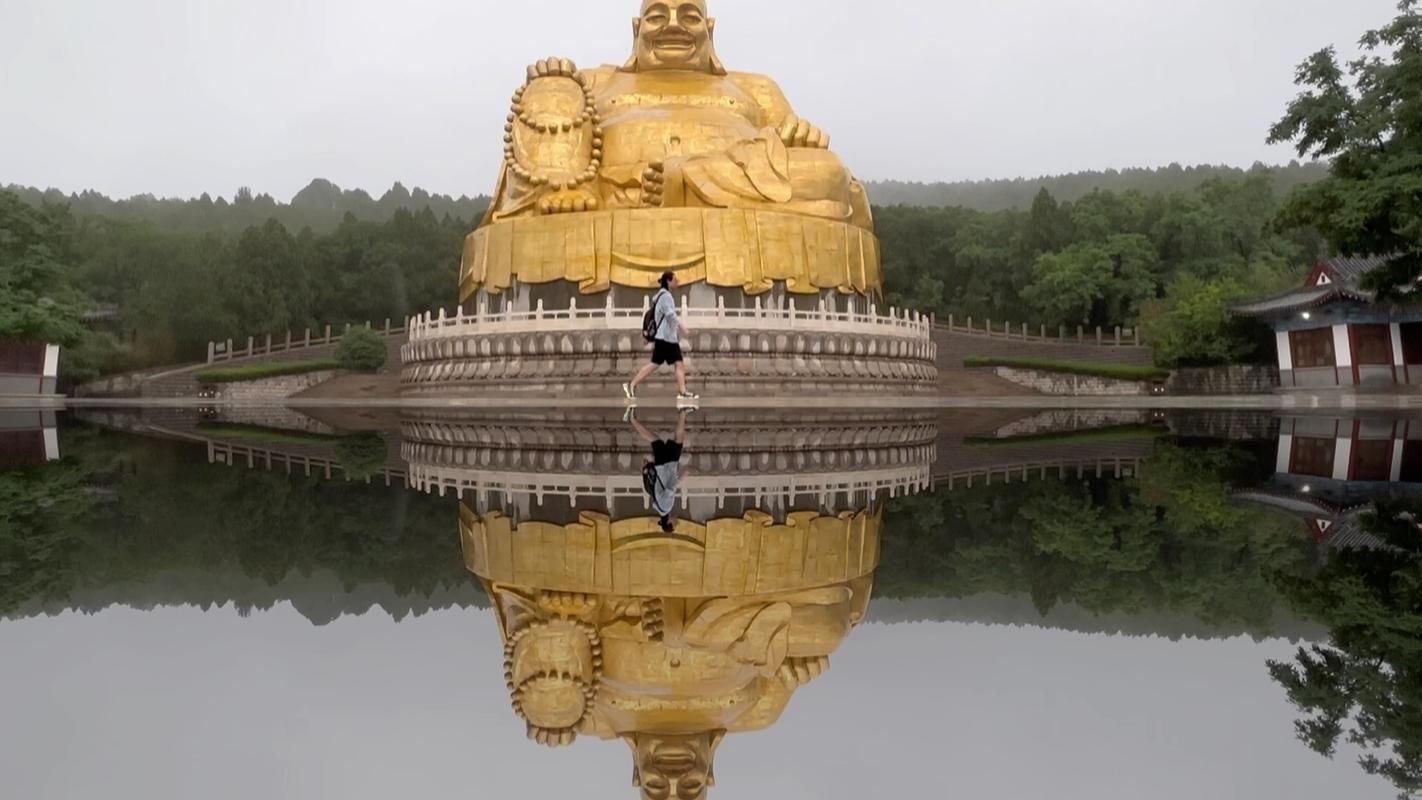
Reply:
x=656, y=19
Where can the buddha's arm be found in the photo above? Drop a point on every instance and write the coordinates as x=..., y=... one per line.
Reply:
x=552, y=144
x=778, y=114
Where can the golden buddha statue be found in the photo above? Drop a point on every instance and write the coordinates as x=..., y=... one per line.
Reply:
x=615, y=174
x=617, y=629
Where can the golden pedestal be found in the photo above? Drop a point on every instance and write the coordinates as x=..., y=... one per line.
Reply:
x=747, y=249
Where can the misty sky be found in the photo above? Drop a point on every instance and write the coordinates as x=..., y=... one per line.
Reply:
x=177, y=98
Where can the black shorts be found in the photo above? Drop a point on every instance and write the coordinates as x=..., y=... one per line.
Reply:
x=666, y=451
x=666, y=352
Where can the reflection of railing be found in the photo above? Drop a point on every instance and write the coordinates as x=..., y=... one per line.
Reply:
x=1040, y=470
x=761, y=489
x=232, y=454
x=760, y=317
x=227, y=350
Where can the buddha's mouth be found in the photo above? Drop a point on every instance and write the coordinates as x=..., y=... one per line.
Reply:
x=674, y=42
x=674, y=760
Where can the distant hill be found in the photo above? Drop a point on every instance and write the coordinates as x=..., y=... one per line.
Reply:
x=320, y=206
x=1000, y=195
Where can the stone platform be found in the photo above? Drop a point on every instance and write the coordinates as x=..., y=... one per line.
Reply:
x=761, y=348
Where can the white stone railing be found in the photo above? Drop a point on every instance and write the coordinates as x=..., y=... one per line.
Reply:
x=760, y=317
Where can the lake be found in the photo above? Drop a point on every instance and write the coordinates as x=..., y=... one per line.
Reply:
x=362, y=603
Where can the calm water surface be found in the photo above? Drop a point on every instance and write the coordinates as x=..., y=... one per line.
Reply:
x=1014, y=604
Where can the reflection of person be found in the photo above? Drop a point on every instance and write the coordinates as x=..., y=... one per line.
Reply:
x=666, y=346
x=662, y=474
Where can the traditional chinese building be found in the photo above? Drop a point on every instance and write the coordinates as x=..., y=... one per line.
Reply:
x=1333, y=333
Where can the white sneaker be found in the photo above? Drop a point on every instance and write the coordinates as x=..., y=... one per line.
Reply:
x=629, y=391
x=687, y=396
x=627, y=415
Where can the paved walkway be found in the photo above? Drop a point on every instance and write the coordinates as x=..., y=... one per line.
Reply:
x=1411, y=402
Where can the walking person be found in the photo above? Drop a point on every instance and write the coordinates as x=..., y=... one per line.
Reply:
x=662, y=473
x=664, y=328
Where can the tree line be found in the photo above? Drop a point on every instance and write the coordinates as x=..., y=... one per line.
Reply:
x=194, y=273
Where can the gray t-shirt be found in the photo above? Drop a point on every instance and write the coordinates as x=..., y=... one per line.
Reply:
x=664, y=498
x=668, y=321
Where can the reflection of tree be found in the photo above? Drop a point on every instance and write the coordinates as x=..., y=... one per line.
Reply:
x=1365, y=686
x=39, y=508
x=1168, y=540
x=167, y=514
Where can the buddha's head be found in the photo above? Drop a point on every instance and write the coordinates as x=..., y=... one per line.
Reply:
x=674, y=34
x=552, y=669
x=674, y=766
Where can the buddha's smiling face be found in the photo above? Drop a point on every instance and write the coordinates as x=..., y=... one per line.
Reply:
x=674, y=35
x=674, y=767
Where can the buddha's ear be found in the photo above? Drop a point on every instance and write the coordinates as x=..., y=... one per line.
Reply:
x=631, y=740
x=717, y=68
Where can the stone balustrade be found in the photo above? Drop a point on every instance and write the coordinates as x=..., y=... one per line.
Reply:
x=760, y=317
x=757, y=348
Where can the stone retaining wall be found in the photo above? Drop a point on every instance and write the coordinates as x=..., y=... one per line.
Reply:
x=1074, y=385
x=1227, y=380
x=269, y=389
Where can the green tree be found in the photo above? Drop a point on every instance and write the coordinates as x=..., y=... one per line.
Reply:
x=1367, y=120
x=1192, y=325
x=1094, y=284
x=39, y=298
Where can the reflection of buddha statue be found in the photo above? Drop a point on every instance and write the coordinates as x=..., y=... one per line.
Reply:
x=669, y=162
x=668, y=641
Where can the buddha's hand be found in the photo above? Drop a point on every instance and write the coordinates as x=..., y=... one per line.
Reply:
x=552, y=68
x=662, y=184
x=796, y=132
x=567, y=201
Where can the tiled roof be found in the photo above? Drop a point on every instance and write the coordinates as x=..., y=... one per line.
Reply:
x=1352, y=270
x=1298, y=300
x=1345, y=283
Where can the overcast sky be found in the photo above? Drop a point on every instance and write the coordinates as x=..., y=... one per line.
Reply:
x=177, y=703
x=176, y=97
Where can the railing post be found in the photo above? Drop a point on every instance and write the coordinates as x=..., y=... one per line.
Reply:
x=327, y=338
x=970, y=324
x=1098, y=334
x=306, y=339
x=987, y=326
x=287, y=346
x=387, y=321
x=1080, y=334
x=1118, y=335
x=1136, y=335
x=950, y=322
x=211, y=350
x=269, y=343
x=1024, y=330
x=1042, y=332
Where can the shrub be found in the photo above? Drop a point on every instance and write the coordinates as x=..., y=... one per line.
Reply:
x=361, y=350
x=361, y=455
x=254, y=372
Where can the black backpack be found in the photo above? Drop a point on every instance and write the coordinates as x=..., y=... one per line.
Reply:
x=650, y=479
x=650, y=321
